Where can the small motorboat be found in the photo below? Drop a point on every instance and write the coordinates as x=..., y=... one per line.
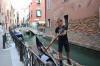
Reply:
x=19, y=35
x=44, y=55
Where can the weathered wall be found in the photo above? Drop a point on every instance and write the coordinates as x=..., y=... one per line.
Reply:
x=78, y=12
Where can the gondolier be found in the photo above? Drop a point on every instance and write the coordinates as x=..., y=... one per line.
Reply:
x=61, y=34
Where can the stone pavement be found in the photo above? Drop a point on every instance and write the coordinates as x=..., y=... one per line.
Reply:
x=5, y=58
x=1, y=42
x=9, y=56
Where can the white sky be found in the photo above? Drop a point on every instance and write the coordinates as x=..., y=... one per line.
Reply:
x=21, y=6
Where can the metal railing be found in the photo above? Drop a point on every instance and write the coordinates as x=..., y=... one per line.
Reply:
x=4, y=40
x=27, y=55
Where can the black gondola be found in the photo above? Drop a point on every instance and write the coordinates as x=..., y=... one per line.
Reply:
x=44, y=55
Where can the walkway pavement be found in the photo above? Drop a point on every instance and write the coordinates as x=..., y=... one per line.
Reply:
x=9, y=56
x=1, y=42
x=5, y=58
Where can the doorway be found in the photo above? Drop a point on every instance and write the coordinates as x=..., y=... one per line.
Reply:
x=66, y=20
x=49, y=24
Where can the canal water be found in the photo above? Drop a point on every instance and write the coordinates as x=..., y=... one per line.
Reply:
x=81, y=55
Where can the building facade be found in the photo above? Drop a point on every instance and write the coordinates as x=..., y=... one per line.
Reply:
x=37, y=12
x=82, y=16
x=6, y=14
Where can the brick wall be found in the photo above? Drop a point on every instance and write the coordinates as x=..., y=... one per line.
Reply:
x=88, y=25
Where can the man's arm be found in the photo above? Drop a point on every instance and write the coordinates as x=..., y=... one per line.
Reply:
x=62, y=34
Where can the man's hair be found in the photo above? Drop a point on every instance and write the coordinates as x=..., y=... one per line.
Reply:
x=59, y=20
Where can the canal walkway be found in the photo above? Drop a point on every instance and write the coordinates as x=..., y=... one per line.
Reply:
x=9, y=56
x=1, y=42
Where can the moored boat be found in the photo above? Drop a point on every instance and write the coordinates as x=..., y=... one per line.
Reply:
x=19, y=35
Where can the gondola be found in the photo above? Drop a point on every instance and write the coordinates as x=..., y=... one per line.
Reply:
x=44, y=55
x=29, y=32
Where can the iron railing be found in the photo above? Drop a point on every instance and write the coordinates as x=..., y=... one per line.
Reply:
x=27, y=55
x=4, y=40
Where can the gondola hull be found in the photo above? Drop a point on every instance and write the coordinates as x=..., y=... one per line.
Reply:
x=44, y=55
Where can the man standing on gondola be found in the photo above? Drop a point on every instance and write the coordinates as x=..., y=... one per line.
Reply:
x=61, y=34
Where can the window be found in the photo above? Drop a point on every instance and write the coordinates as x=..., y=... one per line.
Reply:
x=5, y=19
x=64, y=0
x=49, y=24
x=0, y=8
x=66, y=20
x=38, y=1
x=48, y=4
x=31, y=13
x=8, y=13
x=38, y=12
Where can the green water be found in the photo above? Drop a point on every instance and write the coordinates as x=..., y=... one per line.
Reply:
x=81, y=55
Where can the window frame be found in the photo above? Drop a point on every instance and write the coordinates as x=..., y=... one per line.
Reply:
x=37, y=13
x=48, y=4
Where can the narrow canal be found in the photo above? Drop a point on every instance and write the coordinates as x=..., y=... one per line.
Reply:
x=81, y=55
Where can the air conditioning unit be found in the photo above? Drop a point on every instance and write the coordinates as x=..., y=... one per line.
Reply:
x=38, y=1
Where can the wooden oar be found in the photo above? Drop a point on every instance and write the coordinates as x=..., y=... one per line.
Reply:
x=52, y=41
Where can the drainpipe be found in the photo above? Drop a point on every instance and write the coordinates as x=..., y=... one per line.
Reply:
x=99, y=17
x=45, y=13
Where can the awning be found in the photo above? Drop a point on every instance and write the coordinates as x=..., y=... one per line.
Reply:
x=41, y=22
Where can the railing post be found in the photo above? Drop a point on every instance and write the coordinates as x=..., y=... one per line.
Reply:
x=4, y=40
x=21, y=52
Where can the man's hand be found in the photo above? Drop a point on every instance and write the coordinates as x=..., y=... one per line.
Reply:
x=62, y=34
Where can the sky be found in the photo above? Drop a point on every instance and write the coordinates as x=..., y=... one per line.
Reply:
x=21, y=6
